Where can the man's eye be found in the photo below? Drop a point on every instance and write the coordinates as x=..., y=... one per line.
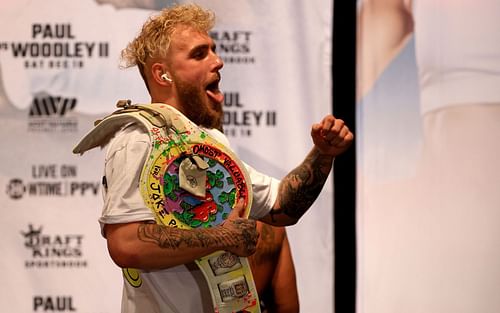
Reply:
x=198, y=54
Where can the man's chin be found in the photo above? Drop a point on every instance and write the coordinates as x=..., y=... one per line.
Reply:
x=203, y=111
x=212, y=122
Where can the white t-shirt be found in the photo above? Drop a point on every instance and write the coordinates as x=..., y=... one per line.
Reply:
x=182, y=288
x=457, y=52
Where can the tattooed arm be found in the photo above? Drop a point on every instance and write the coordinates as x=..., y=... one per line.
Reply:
x=149, y=246
x=299, y=189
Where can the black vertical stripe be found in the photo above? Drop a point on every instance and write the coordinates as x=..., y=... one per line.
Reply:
x=344, y=80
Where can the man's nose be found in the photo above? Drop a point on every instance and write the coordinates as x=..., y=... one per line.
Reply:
x=218, y=63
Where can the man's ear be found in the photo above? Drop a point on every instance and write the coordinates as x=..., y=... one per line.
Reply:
x=160, y=74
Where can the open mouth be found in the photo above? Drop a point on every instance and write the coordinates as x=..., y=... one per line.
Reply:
x=214, y=92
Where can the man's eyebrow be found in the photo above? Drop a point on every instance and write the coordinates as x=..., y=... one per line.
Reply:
x=200, y=47
x=203, y=47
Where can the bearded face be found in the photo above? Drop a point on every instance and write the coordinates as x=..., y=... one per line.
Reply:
x=194, y=68
x=198, y=107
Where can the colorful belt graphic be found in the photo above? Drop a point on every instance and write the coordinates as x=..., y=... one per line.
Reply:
x=191, y=180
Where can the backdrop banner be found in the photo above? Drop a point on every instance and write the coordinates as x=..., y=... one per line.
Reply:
x=59, y=66
x=428, y=206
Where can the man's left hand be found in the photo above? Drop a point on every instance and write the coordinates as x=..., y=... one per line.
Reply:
x=331, y=136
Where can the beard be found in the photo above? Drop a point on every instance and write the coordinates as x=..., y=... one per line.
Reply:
x=198, y=108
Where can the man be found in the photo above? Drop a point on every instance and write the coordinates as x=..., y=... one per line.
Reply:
x=273, y=271
x=177, y=60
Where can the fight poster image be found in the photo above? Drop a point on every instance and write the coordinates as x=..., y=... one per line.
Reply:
x=428, y=136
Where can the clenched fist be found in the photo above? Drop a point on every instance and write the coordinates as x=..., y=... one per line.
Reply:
x=331, y=136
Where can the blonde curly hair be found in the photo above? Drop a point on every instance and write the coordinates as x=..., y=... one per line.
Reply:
x=154, y=38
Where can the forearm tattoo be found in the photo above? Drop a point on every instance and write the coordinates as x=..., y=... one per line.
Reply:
x=301, y=187
x=175, y=238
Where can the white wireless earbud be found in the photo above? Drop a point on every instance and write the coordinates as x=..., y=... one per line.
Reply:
x=165, y=77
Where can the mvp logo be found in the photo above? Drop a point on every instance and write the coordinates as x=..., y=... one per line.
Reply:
x=50, y=106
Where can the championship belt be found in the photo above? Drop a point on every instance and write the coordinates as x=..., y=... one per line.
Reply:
x=189, y=180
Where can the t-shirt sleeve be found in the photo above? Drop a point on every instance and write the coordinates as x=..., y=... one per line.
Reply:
x=265, y=188
x=124, y=162
x=265, y=191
